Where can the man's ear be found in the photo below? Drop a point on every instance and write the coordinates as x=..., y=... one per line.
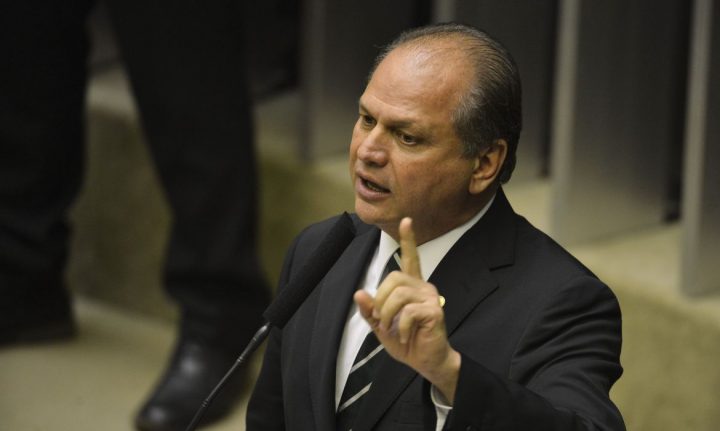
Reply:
x=487, y=166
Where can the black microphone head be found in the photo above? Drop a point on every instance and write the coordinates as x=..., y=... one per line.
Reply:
x=310, y=274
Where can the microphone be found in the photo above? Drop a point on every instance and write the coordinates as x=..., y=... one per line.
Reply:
x=291, y=297
x=300, y=287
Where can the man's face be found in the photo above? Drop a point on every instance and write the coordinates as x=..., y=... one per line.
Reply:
x=405, y=157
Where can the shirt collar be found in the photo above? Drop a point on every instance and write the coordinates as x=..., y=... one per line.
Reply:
x=433, y=251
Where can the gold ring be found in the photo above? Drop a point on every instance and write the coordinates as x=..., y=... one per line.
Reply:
x=441, y=300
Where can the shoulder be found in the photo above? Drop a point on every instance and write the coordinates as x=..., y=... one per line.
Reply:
x=313, y=236
x=544, y=271
x=537, y=250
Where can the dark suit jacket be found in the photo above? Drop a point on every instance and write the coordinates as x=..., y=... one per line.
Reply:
x=539, y=336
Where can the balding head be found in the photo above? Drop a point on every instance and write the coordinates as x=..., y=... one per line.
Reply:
x=490, y=107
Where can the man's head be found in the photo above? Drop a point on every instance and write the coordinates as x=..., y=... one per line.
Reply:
x=438, y=126
x=491, y=108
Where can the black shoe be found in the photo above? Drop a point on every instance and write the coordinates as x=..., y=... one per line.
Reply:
x=194, y=370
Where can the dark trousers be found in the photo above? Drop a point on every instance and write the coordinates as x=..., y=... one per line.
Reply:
x=186, y=67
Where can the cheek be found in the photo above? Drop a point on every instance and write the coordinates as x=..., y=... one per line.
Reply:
x=440, y=181
x=419, y=182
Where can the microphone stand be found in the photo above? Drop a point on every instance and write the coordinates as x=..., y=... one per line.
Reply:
x=257, y=339
x=295, y=292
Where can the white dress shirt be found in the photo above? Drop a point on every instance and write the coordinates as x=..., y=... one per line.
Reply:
x=356, y=328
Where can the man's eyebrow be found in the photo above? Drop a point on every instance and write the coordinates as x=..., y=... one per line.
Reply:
x=396, y=123
x=361, y=107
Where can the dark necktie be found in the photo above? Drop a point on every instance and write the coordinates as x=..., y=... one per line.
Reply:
x=363, y=370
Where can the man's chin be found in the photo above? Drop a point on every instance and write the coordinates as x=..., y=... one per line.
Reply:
x=370, y=214
x=381, y=220
x=366, y=216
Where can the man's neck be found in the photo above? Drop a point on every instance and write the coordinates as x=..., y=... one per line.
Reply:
x=431, y=252
x=431, y=231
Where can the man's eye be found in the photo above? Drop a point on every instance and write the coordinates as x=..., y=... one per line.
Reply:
x=407, y=139
x=367, y=120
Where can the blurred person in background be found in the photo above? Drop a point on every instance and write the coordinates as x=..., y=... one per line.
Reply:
x=187, y=71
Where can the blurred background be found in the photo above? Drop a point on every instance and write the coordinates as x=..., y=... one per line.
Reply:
x=618, y=161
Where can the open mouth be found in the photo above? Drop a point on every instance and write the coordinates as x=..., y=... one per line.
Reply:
x=374, y=187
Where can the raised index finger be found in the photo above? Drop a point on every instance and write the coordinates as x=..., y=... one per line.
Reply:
x=409, y=255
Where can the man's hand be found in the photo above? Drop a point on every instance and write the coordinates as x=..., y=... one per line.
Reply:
x=407, y=318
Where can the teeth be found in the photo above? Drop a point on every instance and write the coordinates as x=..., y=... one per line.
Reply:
x=374, y=187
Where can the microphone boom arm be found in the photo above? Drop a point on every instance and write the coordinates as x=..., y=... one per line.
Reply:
x=295, y=292
x=257, y=339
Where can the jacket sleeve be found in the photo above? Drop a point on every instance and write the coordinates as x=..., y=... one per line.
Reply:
x=561, y=373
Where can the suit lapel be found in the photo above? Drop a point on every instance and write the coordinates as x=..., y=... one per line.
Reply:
x=463, y=277
x=336, y=292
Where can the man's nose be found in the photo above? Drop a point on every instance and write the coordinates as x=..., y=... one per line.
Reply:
x=373, y=149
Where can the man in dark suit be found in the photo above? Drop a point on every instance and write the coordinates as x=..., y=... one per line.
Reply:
x=490, y=324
